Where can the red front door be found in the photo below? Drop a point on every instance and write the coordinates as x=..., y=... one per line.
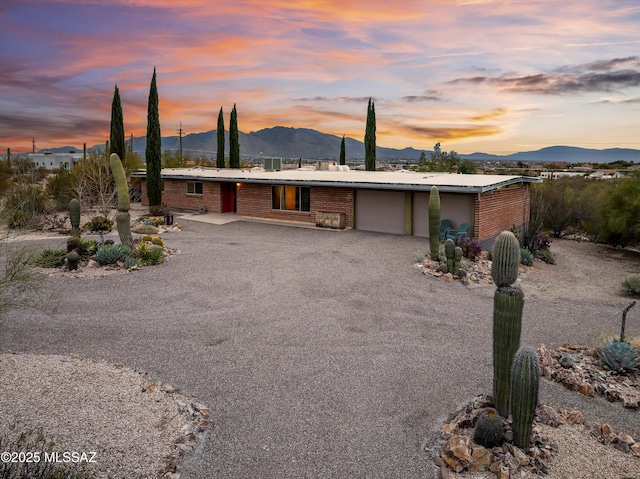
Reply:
x=228, y=192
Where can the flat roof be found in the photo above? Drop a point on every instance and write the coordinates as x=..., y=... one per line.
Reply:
x=392, y=180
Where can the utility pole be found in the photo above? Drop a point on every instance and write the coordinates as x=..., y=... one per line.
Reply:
x=180, y=133
x=131, y=144
x=34, y=145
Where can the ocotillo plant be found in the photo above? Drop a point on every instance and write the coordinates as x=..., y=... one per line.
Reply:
x=74, y=217
x=525, y=379
x=434, y=223
x=507, y=316
x=123, y=219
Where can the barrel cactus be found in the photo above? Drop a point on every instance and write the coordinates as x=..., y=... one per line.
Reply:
x=508, y=303
x=123, y=219
x=489, y=431
x=434, y=223
x=72, y=260
x=525, y=379
x=74, y=217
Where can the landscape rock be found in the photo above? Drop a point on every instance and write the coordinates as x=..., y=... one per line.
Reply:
x=457, y=453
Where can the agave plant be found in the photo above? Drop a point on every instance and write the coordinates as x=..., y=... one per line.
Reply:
x=619, y=356
x=110, y=253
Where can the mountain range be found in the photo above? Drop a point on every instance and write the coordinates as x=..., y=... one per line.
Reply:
x=294, y=143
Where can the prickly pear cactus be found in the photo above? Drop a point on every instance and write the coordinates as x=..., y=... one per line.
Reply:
x=525, y=379
x=74, y=217
x=434, y=223
x=123, y=219
x=489, y=431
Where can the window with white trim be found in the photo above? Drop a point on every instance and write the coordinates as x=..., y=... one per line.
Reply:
x=194, y=187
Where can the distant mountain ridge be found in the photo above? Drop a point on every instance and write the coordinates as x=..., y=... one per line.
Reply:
x=305, y=143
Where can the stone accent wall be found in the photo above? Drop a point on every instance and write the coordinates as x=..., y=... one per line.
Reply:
x=498, y=210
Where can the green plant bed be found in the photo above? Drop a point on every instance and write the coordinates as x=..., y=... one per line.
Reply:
x=51, y=258
x=631, y=285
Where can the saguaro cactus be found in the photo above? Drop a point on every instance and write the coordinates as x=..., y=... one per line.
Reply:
x=74, y=217
x=434, y=223
x=450, y=252
x=457, y=259
x=525, y=379
x=508, y=303
x=123, y=219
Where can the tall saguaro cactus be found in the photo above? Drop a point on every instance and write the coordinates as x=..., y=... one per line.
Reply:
x=525, y=380
x=74, y=216
x=434, y=222
x=508, y=303
x=123, y=219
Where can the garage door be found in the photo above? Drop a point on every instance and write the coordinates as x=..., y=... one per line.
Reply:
x=379, y=210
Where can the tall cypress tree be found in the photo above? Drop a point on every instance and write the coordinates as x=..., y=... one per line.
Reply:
x=220, y=154
x=234, y=144
x=343, y=153
x=116, y=139
x=153, y=150
x=370, y=139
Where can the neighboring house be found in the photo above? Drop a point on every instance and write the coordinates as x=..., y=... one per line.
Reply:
x=387, y=202
x=55, y=161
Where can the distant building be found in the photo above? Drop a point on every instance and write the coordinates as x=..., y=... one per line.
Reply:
x=55, y=161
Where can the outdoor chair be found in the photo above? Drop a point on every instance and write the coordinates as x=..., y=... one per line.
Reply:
x=460, y=232
x=445, y=226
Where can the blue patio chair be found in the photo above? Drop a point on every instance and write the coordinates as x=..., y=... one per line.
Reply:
x=460, y=232
x=445, y=226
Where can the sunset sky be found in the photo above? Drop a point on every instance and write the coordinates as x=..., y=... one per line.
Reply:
x=476, y=75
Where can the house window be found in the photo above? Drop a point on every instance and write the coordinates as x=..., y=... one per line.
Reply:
x=291, y=198
x=194, y=187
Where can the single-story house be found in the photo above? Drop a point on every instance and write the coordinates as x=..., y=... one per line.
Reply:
x=388, y=202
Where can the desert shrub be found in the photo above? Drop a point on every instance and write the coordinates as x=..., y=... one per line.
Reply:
x=526, y=257
x=24, y=205
x=632, y=285
x=149, y=255
x=546, y=256
x=50, y=258
x=145, y=229
x=87, y=248
x=544, y=241
x=35, y=443
x=61, y=188
x=471, y=247
x=99, y=223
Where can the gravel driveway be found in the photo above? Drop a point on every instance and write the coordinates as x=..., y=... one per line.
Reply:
x=321, y=353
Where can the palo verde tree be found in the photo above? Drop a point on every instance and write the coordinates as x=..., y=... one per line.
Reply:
x=116, y=139
x=343, y=152
x=234, y=144
x=153, y=149
x=220, y=153
x=370, y=139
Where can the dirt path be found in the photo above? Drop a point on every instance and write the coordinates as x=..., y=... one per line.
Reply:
x=582, y=271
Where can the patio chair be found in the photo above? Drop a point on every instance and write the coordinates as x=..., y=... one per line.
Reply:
x=460, y=232
x=445, y=226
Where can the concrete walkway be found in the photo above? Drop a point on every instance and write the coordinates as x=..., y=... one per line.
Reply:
x=322, y=355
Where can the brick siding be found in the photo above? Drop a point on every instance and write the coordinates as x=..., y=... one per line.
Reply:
x=499, y=210
x=174, y=194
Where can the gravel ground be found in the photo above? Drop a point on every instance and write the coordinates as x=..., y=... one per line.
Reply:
x=320, y=353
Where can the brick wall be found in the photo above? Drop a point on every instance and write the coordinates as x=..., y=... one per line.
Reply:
x=499, y=210
x=254, y=200
x=175, y=195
